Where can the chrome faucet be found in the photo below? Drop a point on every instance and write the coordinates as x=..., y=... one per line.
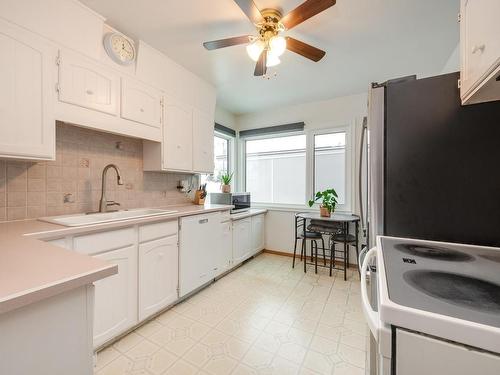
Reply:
x=104, y=203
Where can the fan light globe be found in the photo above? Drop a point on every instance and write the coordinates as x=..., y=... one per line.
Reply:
x=255, y=49
x=272, y=59
x=277, y=45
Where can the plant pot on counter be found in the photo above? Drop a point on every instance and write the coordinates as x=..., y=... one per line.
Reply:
x=324, y=212
x=226, y=188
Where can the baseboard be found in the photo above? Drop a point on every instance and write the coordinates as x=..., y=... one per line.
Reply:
x=290, y=255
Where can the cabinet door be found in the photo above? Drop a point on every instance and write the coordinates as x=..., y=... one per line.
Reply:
x=242, y=242
x=141, y=103
x=257, y=233
x=224, y=248
x=87, y=84
x=480, y=41
x=27, y=122
x=116, y=296
x=197, y=252
x=203, y=142
x=178, y=136
x=158, y=275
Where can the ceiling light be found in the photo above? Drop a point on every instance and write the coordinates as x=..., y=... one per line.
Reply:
x=277, y=45
x=272, y=59
x=255, y=49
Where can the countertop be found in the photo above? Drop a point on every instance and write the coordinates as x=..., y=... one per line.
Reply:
x=32, y=270
x=250, y=212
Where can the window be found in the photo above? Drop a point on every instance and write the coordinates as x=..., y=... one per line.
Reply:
x=222, y=147
x=276, y=169
x=330, y=163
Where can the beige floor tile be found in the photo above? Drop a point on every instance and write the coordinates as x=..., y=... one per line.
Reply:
x=262, y=319
x=181, y=367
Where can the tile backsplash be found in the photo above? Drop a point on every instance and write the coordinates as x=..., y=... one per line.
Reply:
x=72, y=183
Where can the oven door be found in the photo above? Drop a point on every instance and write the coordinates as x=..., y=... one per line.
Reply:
x=379, y=343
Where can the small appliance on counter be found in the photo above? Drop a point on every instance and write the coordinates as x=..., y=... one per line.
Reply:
x=240, y=201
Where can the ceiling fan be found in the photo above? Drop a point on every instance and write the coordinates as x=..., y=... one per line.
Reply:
x=266, y=47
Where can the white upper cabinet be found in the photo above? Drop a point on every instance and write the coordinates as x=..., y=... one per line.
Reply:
x=158, y=275
x=203, y=142
x=84, y=83
x=27, y=122
x=480, y=51
x=178, y=136
x=141, y=103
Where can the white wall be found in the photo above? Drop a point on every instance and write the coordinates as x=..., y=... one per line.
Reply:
x=225, y=118
x=316, y=115
x=453, y=63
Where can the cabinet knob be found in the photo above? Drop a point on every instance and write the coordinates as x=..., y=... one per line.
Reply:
x=160, y=255
x=477, y=48
x=89, y=92
x=178, y=146
x=141, y=109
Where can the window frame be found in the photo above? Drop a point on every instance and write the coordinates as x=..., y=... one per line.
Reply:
x=230, y=152
x=309, y=173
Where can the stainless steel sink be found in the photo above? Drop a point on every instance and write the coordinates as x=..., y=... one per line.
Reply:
x=105, y=217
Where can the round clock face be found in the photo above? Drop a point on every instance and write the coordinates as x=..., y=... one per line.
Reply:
x=119, y=48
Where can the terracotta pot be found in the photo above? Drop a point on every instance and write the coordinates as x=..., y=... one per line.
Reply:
x=324, y=212
x=226, y=188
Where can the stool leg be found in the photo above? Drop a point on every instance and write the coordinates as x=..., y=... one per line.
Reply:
x=323, y=247
x=314, y=245
x=294, y=252
x=304, y=251
x=345, y=261
x=332, y=252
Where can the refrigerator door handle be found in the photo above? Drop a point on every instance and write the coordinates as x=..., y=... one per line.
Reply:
x=360, y=175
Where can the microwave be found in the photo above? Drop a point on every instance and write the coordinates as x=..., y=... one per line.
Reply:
x=240, y=201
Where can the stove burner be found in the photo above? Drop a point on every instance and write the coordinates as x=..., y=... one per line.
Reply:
x=492, y=257
x=460, y=290
x=434, y=252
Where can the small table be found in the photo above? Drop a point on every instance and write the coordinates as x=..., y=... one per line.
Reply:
x=344, y=219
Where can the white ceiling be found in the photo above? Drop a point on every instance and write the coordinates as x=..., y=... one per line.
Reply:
x=365, y=40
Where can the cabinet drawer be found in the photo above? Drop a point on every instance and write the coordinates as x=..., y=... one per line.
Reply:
x=141, y=103
x=104, y=241
x=153, y=231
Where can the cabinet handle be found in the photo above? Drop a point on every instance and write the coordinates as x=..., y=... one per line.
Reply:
x=160, y=255
x=203, y=221
x=478, y=48
x=179, y=147
x=89, y=92
x=141, y=109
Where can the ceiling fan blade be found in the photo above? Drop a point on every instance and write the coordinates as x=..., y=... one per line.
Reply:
x=304, y=49
x=261, y=66
x=305, y=11
x=222, y=43
x=250, y=9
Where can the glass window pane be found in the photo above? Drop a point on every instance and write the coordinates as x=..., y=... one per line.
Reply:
x=276, y=169
x=221, y=162
x=329, y=163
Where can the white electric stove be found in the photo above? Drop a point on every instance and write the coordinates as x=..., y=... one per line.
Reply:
x=432, y=308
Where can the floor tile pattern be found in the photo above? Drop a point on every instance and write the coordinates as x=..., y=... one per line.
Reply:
x=265, y=318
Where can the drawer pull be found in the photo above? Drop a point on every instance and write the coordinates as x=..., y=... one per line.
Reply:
x=203, y=221
x=89, y=92
x=478, y=48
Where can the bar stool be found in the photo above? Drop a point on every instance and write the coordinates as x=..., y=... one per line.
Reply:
x=346, y=241
x=301, y=233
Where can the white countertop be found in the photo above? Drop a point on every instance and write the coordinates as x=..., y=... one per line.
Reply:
x=32, y=270
x=250, y=212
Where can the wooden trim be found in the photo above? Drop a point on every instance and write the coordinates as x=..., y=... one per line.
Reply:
x=290, y=255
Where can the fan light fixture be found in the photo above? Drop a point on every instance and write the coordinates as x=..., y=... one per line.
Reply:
x=255, y=49
x=272, y=59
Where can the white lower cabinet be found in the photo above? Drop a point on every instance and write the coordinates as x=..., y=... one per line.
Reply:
x=242, y=240
x=224, y=251
x=257, y=233
x=116, y=296
x=197, y=249
x=158, y=275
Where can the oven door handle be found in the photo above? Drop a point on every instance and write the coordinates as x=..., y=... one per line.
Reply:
x=372, y=316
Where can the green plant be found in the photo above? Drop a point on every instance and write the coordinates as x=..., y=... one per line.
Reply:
x=226, y=178
x=328, y=199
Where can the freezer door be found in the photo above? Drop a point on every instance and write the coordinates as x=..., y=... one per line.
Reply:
x=376, y=164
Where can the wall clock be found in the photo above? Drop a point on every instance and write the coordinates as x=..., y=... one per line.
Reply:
x=120, y=49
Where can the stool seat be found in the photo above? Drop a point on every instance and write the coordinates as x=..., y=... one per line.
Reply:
x=310, y=235
x=342, y=238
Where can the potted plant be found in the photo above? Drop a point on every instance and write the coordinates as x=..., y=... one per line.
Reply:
x=328, y=201
x=226, y=182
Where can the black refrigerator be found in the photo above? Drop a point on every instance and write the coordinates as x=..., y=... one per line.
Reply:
x=434, y=165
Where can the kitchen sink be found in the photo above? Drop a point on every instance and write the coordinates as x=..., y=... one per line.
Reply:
x=104, y=217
